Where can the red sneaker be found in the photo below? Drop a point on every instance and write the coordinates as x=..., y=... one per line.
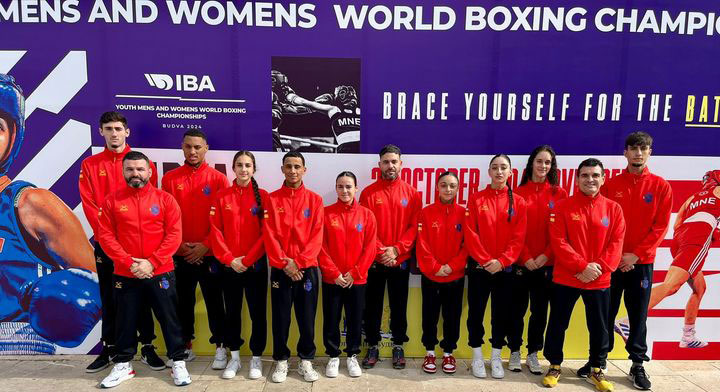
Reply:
x=448, y=364
x=429, y=364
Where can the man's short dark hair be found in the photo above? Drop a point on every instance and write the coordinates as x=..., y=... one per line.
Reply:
x=109, y=117
x=390, y=148
x=590, y=162
x=195, y=133
x=136, y=156
x=639, y=138
x=294, y=154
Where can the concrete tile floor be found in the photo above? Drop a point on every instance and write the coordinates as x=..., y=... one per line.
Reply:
x=67, y=373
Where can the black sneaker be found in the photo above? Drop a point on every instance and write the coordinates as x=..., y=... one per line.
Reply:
x=371, y=357
x=398, y=359
x=101, y=362
x=584, y=371
x=639, y=378
x=150, y=358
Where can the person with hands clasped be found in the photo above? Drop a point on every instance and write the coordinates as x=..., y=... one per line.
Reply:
x=495, y=226
x=236, y=225
x=586, y=233
x=442, y=259
x=532, y=280
x=349, y=248
x=293, y=239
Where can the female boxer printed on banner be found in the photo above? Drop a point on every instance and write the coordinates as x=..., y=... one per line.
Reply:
x=532, y=279
x=495, y=225
x=236, y=219
x=442, y=258
x=349, y=248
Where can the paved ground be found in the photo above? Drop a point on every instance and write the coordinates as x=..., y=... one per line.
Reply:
x=67, y=373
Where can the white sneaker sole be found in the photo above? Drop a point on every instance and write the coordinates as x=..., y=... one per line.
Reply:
x=116, y=382
x=219, y=365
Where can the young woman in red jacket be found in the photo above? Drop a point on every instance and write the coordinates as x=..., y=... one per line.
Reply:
x=236, y=238
x=533, y=271
x=349, y=248
x=495, y=225
x=442, y=259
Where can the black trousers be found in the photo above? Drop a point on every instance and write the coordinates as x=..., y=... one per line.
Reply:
x=253, y=284
x=481, y=284
x=637, y=286
x=533, y=287
x=597, y=303
x=209, y=275
x=105, y=268
x=284, y=293
x=160, y=293
x=445, y=297
x=397, y=280
x=335, y=298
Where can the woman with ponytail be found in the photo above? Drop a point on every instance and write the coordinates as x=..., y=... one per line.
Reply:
x=236, y=231
x=533, y=271
x=495, y=229
x=349, y=248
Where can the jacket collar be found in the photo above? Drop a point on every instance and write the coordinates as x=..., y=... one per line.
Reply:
x=287, y=191
x=116, y=155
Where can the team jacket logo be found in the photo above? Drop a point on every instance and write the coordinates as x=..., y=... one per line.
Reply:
x=275, y=285
x=359, y=227
x=552, y=217
x=334, y=223
x=306, y=212
x=103, y=173
x=575, y=216
x=308, y=285
x=648, y=197
x=605, y=221
x=420, y=226
x=435, y=225
x=281, y=210
x=118, y=285
x=404, y=202
x=164, y=284
x=180, y=82
x=484, y=208
x=212, y=210
x=228, y=206
x=255, y=210
x=206, y=190
x=458, y=227
x=81, y=175
x=180, y=187
x=551, y=205
x=155, y=209
x=378, y=201
x=123, y=208
x=618, y=194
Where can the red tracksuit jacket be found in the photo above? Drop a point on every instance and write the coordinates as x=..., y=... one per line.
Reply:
x=293, y=227
x=396, y=206
x=646, y=201
x=100, y=176
x=540, y=200
x=440, y=241
x=586, y=229
x=194, y=189
x=143, y=223
x=349, y=241
x=488, y=234
x=235, y=227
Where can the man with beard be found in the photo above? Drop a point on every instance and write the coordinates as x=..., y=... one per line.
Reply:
x=396, y=205
x=140, y=230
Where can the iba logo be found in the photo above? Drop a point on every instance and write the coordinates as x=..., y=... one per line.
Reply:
x=180, y=82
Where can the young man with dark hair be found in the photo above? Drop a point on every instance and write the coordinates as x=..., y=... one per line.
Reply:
x=193, y=185
x=140, y=229
x=396, y=206
x=100, y=176
x=293, y=238
x=586, y=233
x=646, y=200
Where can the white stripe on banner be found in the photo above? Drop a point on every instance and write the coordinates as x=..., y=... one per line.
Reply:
x=60, y=86
x=58, y=155
x=8, y=59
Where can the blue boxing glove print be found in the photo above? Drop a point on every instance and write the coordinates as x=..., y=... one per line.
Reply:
x=64, y=306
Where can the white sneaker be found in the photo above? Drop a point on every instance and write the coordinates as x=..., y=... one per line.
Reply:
x=306, y=370
x=180, y=374
x=533, y=363
x=281, y=370
x=220, y=361
x=353, y=366
x=478, y=368
x=231, y=369
x=255, y=368
x=121, y=371
x=496, y=366
x=690, y=341
x=189, y=357
x=515, y=364
x=331, y=370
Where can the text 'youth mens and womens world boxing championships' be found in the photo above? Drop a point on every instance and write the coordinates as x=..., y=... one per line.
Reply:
x=530, y=246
